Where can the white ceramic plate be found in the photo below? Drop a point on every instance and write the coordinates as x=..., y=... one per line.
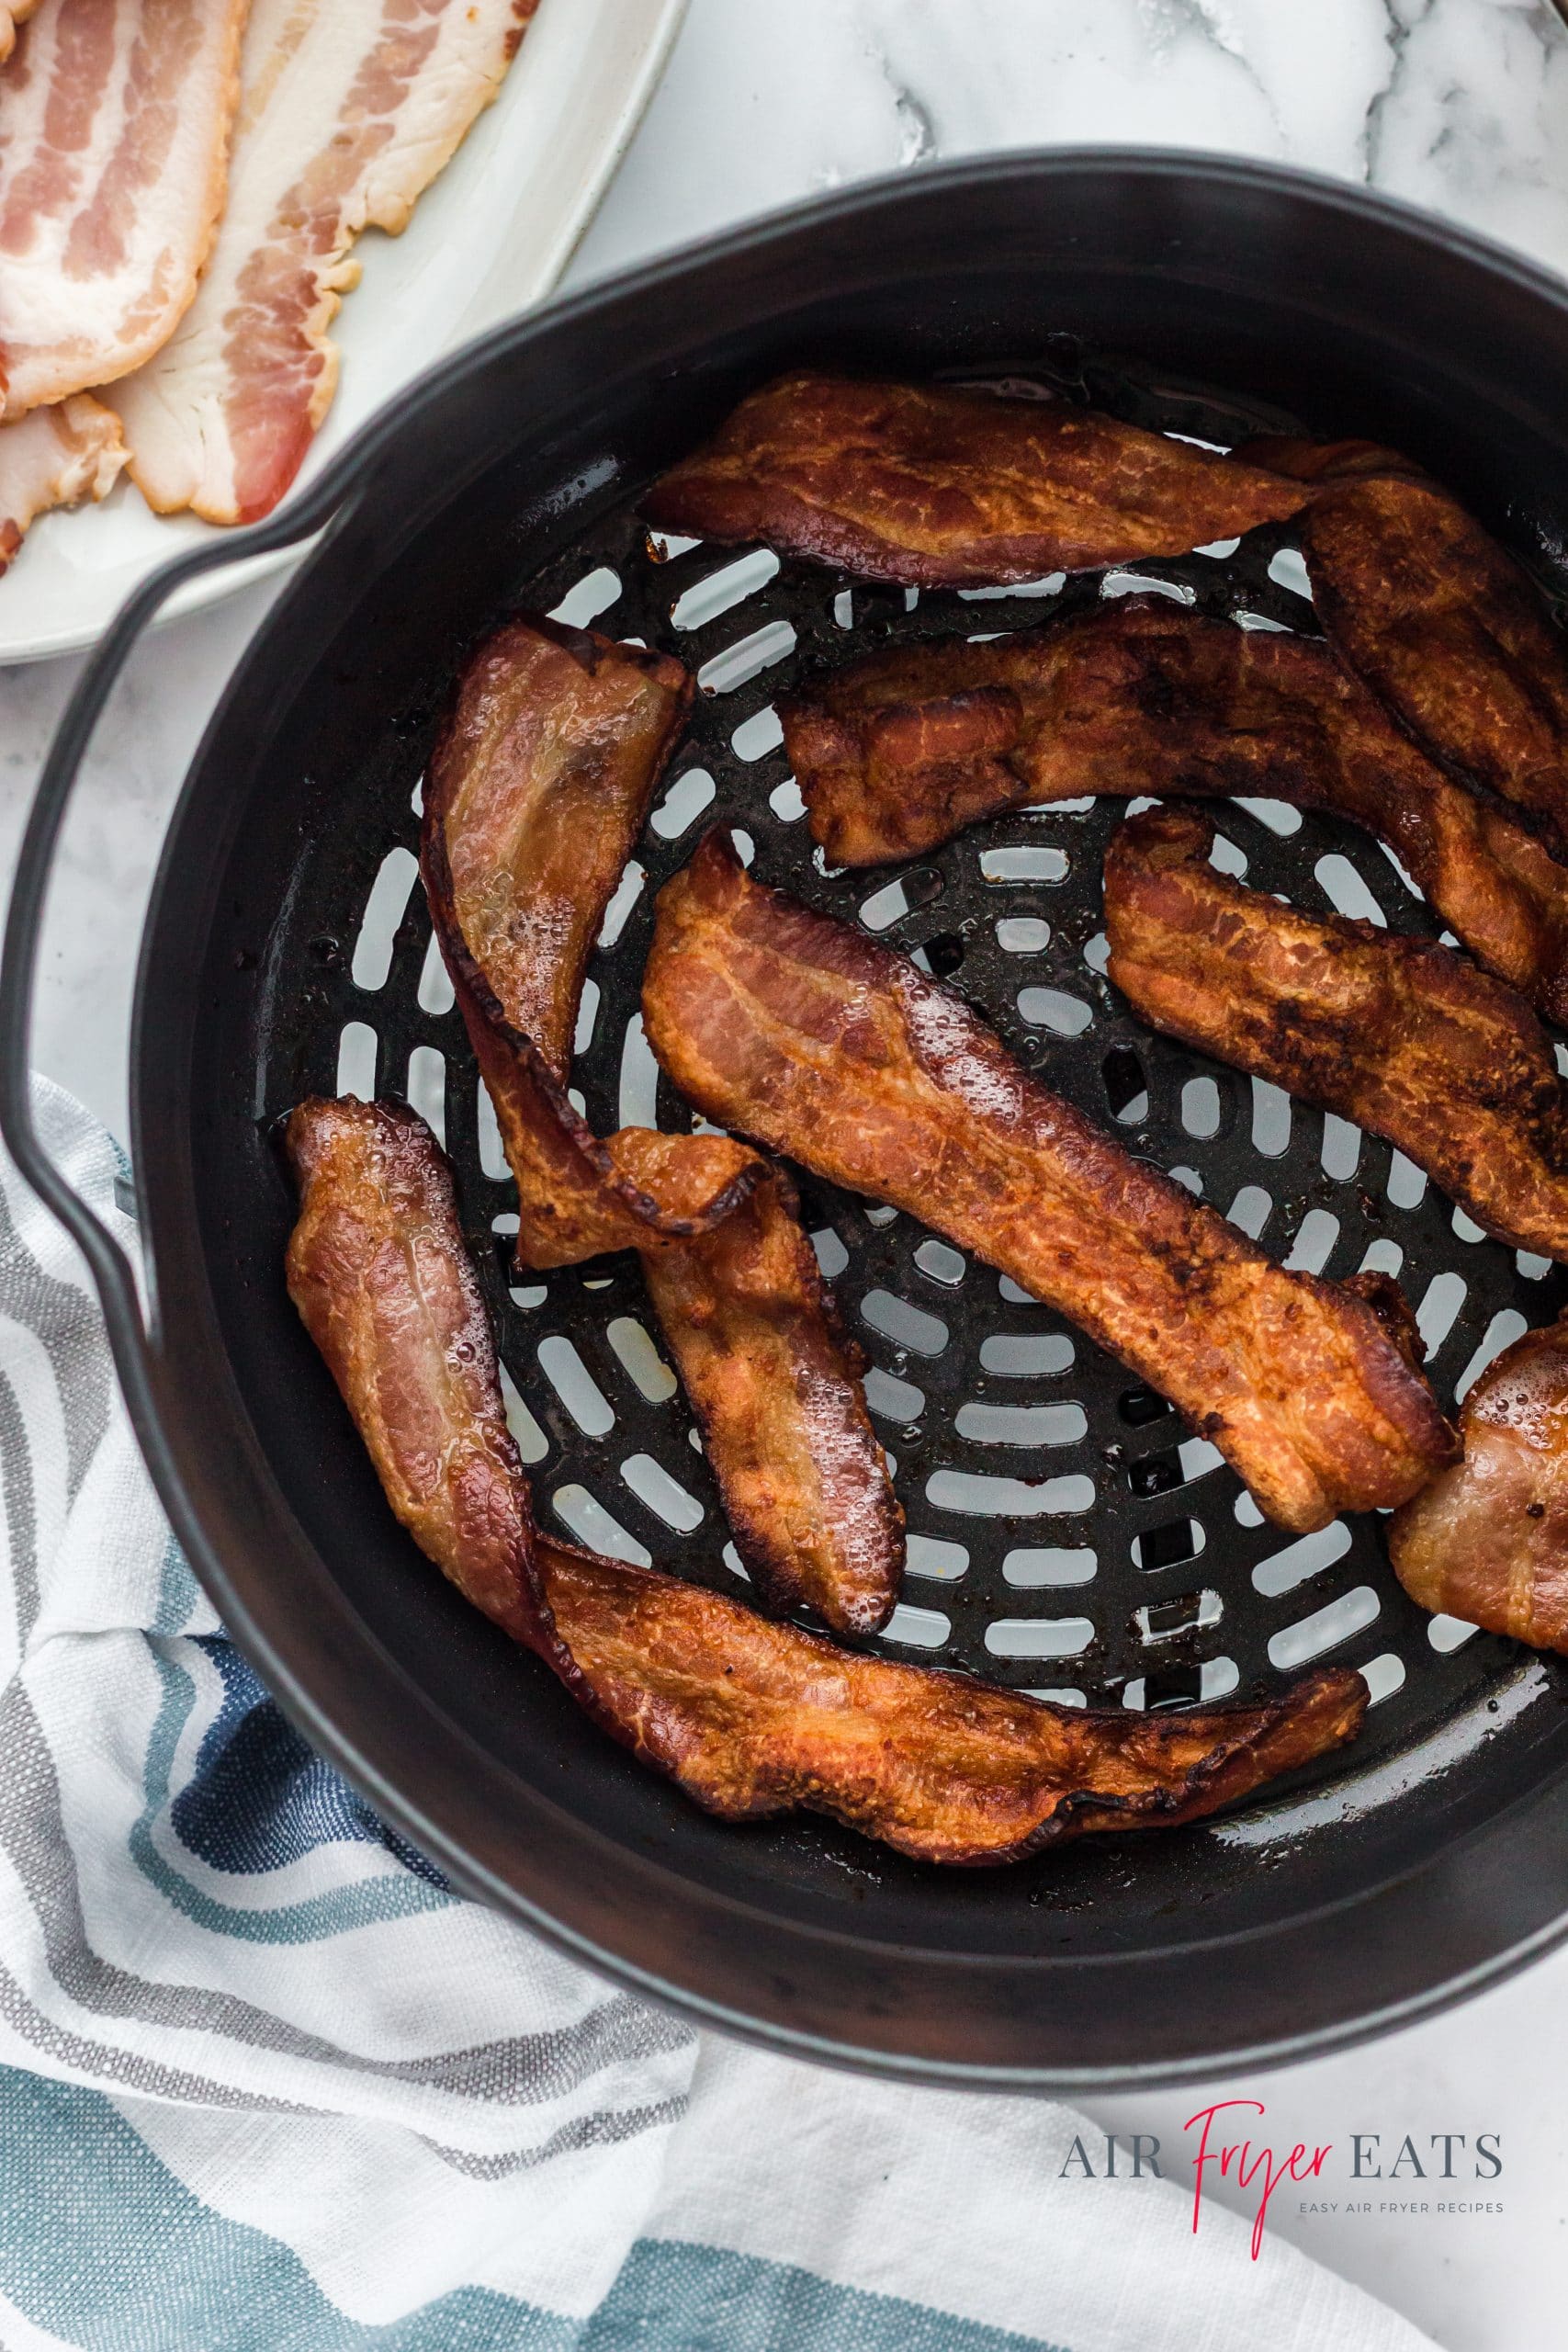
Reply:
x=490, y=238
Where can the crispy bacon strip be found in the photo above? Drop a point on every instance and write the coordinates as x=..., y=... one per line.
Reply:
x=1398, y=1035
x=540, y=782
x=806, y=1036
x=1426, y=607
x=350, y=109
x=1488, y=1541
x=750, y=1718
x=57, y=455
x=535, y=794
x=379, y=1272
x=754, y=1719
x=897, y=753
x=114, y=136
x=939, y=488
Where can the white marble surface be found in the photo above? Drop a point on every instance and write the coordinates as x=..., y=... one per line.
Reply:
x=1461, y=104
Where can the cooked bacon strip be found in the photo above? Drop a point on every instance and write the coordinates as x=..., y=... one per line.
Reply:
x=1398, y=1035
x=1427, y=608
x=939, y=488
x=379, y=1272
x=1319, y=462
x=811, y=1038
x=540, y=783
x=897, y=753
x=350, y=109
x=55, y=457
x=114, y=134
x=17, y=14
x=1488, y=1541
x=535, y=794
x=750, y=1718
x=754, y=1719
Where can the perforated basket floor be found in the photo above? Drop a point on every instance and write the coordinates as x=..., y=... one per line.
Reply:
x=1067, y=1535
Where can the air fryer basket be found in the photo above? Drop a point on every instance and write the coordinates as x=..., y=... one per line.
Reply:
x=1068, y=1534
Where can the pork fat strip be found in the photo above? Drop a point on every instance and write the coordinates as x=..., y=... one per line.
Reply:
x=811, y=1038
x=348, y=111
x=541, y=781
x=943, y=487
x=536, y=792
x=1488, y=1541
x=1441, y=623
x=114, y=138
x=1397, y=1035
x=750, y=1718
x=58, y=456
x=897, y=753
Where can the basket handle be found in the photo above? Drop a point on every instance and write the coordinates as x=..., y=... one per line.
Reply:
x=131, y=1340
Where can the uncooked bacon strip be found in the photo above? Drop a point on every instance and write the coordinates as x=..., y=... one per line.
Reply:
x=535, y=793
x=1427, y=608
x=349, y=110
x=812, y=1039
x=55, y=457
x=540, y=783
x=1397, y=1035
x=941, y=488
x=751, y=1719
x=1488, y=1541
x=114, y=131
x=897, y=753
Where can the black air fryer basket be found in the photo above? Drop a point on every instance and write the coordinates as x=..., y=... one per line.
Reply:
x=1068, y=1534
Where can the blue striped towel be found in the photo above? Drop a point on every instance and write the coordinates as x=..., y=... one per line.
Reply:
x=267, y=2084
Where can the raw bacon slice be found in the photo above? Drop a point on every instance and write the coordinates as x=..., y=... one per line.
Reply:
x=349, y=110
x=807, y=1037
x=897, y=753
x=114, y=132
x=941, y=488
x=1397, y=1035
x=1488, y=1541
x=17, y=14
x=1445, y=628
x=750, y=1718
x=535, y=794
x=55, y=457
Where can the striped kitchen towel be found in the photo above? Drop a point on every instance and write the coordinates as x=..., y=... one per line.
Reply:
x=267, y=2085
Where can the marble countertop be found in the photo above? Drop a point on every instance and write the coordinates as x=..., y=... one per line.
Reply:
x=1460, y=105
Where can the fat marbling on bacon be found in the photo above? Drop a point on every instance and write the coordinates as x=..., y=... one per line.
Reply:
x=114, y=135
x=349, y=108
x=57, y=455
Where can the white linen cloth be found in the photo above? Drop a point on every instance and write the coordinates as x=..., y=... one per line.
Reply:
x=267, y=2085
